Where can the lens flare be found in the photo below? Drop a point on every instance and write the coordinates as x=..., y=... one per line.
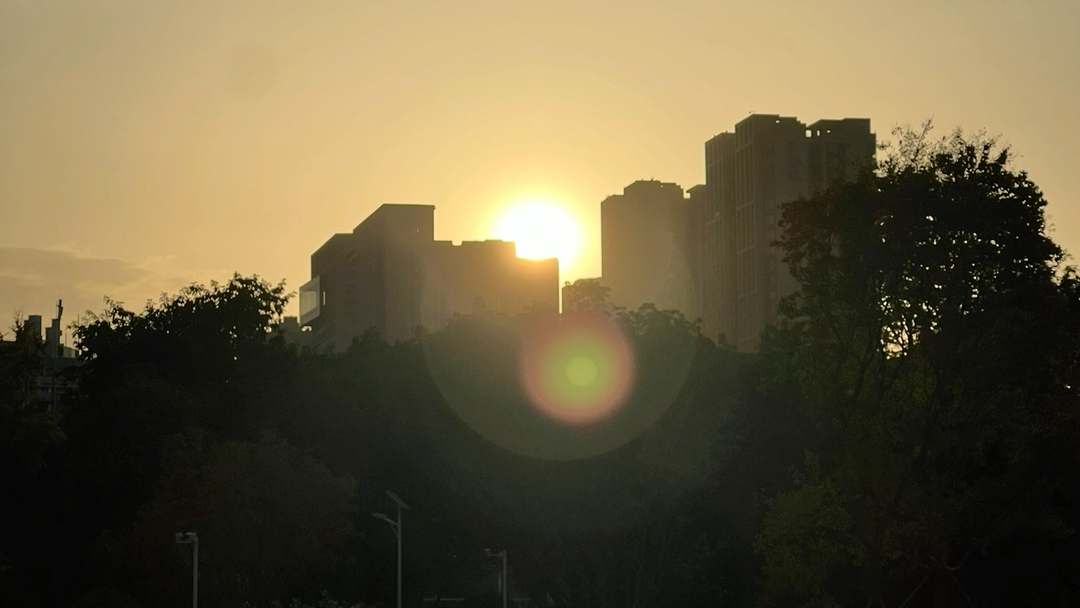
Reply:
x=577, y=371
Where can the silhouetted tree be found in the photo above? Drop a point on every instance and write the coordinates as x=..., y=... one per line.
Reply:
x=588, y=296
x=935, y=344
x=200, y=359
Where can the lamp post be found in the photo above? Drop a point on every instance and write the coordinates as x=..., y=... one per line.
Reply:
x=192, y=538
x=396, y=527
x=505, y=582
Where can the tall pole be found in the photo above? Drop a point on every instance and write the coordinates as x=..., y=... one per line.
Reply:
x=505, y=581
x=396, y=527
x=398, y=530
x=191, y=538
x=195, y=577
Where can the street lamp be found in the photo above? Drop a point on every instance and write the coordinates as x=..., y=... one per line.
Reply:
x=396, y=527
x=185, y=538
x=504, y=582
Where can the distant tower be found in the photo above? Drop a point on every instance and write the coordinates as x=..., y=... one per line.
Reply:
x=644, y=246
x=769, y=160
x=53, y=332
x=59, y=327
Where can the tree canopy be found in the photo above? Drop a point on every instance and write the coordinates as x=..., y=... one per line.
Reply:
x=934, y=339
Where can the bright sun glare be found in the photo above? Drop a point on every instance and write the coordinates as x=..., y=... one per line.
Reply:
x=541, y=230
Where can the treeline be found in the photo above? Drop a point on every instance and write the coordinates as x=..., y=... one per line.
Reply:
x=907, y=436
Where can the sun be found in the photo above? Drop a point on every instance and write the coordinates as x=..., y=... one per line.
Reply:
x=540, y=229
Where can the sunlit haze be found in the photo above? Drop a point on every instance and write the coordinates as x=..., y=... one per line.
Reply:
x=540, y=229
x=544, y=303
x=144, y=145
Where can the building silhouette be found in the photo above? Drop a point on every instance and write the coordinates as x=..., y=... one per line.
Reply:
x=53, y=382
x=768, y=160
x=646, y=246
x=390, y=275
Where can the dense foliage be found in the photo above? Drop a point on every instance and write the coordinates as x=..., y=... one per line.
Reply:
x=935, y=343
x=907, y=436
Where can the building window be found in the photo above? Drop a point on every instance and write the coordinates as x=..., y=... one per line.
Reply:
x=307, y=302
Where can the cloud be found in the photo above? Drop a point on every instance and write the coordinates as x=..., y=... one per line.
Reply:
x=32, y=279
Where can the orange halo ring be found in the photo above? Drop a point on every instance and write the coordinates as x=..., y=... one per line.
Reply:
x=548, y=355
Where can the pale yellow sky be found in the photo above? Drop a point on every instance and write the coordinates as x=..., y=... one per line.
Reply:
x=145, y=144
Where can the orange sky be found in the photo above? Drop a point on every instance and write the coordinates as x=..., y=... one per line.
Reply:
x=147, y=144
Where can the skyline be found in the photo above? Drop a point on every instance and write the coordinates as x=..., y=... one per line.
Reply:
x=127, y=129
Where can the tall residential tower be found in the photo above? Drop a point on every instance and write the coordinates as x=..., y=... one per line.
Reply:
x=769, y=160
x=646, y=244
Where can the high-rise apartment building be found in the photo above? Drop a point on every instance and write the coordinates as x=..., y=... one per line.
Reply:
x=769, y=160
x=389, y=274
x=717, y=285
x=838, y=150
x=645, y=242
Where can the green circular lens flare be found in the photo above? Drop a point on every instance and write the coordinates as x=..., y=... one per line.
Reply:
x=581, y=371
x=577, y=371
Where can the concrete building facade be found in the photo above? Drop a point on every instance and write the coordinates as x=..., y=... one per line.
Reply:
x=769, y=160
x=646, y=246
x=389, y=274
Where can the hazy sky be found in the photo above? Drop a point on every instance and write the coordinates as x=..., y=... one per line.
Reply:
x=149, y=143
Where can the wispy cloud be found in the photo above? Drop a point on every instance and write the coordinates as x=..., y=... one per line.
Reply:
x=33, y=278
